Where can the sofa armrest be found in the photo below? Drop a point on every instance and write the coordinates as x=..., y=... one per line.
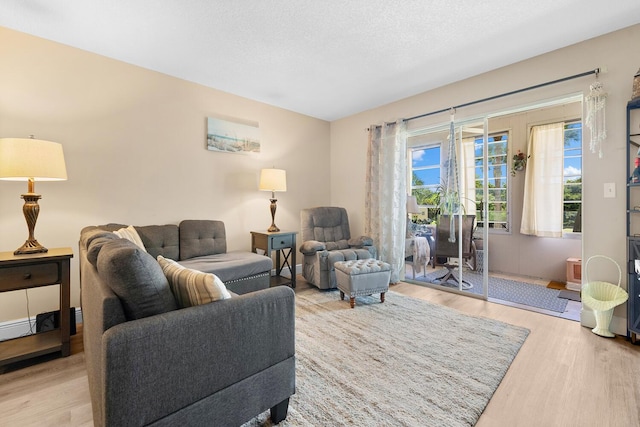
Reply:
x=310, y=247
x=160, y=364
x=358, y=242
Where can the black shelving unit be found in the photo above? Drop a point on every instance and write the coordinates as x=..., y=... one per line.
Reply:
x=633, y=222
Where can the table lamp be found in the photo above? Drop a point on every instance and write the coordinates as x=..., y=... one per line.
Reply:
x=31, y=160
x=273, y=180
x=412, y=208
x=412, y=205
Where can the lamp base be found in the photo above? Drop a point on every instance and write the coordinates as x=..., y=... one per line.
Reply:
x=30, y=247
x=31, y=209
x=273, y=227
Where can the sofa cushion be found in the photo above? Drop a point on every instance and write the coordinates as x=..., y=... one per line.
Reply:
x=192, y=287
x=92, y=232
x=91, y=239
x=202, y=237
x=96, y=245
x=161, y=240
x=136, y=278
x=335, y=246
x=130, y=234
x=231, y=265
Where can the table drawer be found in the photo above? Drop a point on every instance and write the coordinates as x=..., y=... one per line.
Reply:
x=281, y=242
x=26, y=276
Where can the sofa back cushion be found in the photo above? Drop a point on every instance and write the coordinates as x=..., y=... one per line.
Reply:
x=201, y=237
x=135, y=277
x=161, y=240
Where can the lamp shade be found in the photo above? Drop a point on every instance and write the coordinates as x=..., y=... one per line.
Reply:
x=22, y=159
x=412, y=205
x=273, y=180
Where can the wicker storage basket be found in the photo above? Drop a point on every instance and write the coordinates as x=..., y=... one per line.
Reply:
x=602, y=298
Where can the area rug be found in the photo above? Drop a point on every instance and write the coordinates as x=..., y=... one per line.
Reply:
x=509, y=290
x=404, y=362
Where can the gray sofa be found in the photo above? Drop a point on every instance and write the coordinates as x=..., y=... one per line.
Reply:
x=202, y=245
x=150, y=363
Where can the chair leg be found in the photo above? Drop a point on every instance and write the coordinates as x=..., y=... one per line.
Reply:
x=449, y=275
x=279, y=412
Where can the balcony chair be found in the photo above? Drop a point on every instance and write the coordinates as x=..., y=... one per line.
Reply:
x=447, y=248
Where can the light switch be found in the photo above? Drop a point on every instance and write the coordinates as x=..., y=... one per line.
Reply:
x=609, y=190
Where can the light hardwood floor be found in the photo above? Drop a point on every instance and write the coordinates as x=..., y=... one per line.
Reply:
x=564, y=375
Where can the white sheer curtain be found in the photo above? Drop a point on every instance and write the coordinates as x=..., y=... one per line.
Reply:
x=543, y=185
x=468, y=175
x=386, y=186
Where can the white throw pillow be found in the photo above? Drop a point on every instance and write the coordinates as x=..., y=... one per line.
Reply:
x=130, y=234
x=192, y=287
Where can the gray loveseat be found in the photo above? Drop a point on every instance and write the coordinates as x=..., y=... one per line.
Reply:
x=150, y=363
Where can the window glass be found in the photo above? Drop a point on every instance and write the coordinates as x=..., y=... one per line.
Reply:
x=572, y=177
x=498, y=181
x=425, y=180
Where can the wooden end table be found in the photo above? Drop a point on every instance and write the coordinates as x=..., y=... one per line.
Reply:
x=33, y=271
x=278, y=241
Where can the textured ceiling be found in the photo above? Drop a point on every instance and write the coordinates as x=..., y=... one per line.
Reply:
x=327, y=59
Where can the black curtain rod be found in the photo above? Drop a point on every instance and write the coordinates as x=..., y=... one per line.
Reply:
x=586, y=73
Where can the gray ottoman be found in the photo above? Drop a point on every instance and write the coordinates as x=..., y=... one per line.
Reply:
x=362, y=277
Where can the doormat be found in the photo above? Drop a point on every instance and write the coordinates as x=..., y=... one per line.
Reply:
x=556, y=285
x=572, y=295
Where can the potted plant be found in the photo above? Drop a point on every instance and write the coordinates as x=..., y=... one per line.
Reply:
x=519, y=162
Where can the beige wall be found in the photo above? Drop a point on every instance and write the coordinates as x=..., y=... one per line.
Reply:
x=603, y=218
x=134, y=144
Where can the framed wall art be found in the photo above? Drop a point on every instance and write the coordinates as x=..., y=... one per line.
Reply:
x=232, y=136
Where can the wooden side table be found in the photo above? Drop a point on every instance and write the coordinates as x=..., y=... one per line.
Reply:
x=278, y=241
x=33, y=271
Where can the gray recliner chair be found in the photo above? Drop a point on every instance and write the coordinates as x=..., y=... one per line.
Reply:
x=326, y=239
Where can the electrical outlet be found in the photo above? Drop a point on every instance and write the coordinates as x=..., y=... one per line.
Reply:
x=609, y=190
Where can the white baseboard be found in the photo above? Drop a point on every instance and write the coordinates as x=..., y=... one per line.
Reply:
x=20, y=327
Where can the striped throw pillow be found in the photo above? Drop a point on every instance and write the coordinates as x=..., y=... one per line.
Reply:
x=192, y=287
x=130, y=233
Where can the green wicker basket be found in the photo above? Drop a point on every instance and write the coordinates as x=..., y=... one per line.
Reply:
x=602, y=298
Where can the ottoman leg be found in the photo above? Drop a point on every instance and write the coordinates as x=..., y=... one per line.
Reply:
x=352, y=301
x=341, y=295
x=381, y=296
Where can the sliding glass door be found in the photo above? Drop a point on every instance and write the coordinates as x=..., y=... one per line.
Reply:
x=476, y=197
x=445, y=247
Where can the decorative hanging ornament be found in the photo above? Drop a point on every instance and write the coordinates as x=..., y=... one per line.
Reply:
x=450, y=196
x=596, y=117
x=636, y=86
